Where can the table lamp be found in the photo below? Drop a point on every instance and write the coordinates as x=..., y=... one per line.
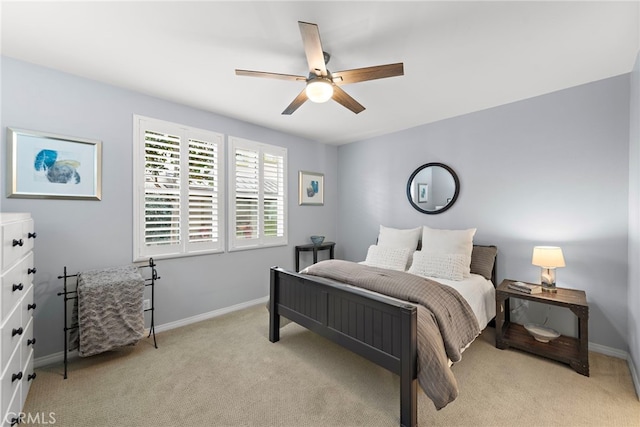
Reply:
x=548, y=258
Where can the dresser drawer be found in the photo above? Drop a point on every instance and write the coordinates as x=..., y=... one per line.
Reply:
x=17, y=239
x=27, y=343
x=10, y=381
x=10, y=335
x=15, y=283
x=28, y=378
x=12, y=415
x=27, y=304
x=12, y=243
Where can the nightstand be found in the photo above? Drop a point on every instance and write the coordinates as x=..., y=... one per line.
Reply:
x=315, y=248
x=569, y=350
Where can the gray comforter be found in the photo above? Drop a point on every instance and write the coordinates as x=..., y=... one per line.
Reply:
x=446, y=323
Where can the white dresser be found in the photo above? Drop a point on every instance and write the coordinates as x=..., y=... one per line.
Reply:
x=16, y=313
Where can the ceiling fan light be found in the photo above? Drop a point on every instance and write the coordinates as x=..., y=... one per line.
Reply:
x=319, y=90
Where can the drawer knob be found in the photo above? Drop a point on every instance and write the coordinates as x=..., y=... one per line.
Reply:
x=32, y=235
x=17, y=376
x=31, y=306
x=31, y=377
x=17, y=287
x=31, y=270
x=31, y=341
x=18, y=242
x=15, y=331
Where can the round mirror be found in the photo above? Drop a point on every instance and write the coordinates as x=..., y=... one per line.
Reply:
x=433, y=188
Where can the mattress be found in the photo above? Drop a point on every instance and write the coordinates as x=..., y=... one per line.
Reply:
x=479, y=293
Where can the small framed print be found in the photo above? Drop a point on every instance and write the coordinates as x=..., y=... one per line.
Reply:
x=311, y=188
x=49, y=166
x=423, y=193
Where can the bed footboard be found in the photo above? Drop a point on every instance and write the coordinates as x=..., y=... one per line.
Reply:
x=378, y=328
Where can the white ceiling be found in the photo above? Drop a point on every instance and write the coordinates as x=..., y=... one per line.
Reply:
x=459, y=57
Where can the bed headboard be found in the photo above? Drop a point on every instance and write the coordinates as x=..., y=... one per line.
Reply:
x=483, y=261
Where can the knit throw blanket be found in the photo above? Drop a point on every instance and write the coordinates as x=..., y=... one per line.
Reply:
x=446, y=323
x=109, y=309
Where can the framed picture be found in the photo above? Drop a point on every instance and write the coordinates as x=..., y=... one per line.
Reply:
x=423, y=193
x=48, y=166
x=311, y=188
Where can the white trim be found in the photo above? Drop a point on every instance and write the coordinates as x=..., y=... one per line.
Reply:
x=620, y=354
x=608, y=351
x=634, y=375
x=59, y=357
x=210, y=315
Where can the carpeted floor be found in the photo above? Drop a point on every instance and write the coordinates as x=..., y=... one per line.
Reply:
x=225, y=372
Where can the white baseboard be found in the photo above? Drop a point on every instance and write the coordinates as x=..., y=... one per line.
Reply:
x=210, y=315
x=59, y=357
x=608, y=351
x=634, y=376
x=620, y=354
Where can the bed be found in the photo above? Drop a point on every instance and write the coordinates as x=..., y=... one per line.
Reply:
x=378, y=327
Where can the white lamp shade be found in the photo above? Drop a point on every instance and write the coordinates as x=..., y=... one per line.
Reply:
x=547, y=257
x=319, y=90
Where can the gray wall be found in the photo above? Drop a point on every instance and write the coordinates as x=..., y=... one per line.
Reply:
x=548, y=170
x=85, y=235
x=633, y=301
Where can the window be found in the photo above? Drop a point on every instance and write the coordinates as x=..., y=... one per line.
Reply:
x=257, y=194
x=178, y=190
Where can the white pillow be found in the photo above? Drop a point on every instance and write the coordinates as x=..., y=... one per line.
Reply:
x=389, y=258
x=459, y=242
x=446, y=266
x=396, y=238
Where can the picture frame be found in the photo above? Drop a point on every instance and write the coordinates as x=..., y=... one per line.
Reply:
x=423, y=193
x=311, y=188
x=49, y=166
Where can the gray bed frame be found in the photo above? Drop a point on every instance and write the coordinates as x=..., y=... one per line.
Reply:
x=379, y=328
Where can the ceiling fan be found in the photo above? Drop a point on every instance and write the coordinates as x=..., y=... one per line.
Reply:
x=322, y=84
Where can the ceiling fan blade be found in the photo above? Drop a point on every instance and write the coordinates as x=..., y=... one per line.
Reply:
x=343, y=98
x=313, y=48
x=368, y=73
x=300, y=99
x=269, y=75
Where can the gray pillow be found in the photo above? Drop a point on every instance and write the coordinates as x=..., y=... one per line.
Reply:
x=482, y=260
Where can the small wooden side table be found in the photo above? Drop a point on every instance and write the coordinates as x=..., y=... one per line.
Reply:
x=315, y=249
x=569, y=350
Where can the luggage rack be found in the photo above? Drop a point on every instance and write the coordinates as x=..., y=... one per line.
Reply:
x=150, y=281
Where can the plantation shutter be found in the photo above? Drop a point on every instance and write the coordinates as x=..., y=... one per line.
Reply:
x=178, y=177
x=247, y=192
x=273, y=195
x=203, y=194
x=161, y=189
x=258, y=187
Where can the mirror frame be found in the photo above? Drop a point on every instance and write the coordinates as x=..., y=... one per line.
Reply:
x=448, y=205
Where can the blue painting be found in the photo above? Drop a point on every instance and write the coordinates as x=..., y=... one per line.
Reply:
x=63, y=171
x=312, y=189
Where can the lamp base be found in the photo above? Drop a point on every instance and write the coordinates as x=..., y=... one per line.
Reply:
x=548, y=279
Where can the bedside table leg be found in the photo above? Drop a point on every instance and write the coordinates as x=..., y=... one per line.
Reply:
x=502, y=320
x=582, y=365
